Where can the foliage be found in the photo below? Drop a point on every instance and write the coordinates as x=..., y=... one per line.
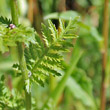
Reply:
x=78, y=93
x=5, y=21
x=10, y=100
x=64, y=15
x=45, y=59
x=9, y=37
x=82, y=90
x=43, y=56
x=52, y=101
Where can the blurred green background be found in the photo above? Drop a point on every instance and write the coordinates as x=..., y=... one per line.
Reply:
x=82, y=91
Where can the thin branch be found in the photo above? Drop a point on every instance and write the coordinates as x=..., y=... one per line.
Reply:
x=104, y=59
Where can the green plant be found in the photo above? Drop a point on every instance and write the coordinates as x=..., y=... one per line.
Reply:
x=38, y=57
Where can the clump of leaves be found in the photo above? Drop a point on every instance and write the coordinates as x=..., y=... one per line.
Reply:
x=9, y=37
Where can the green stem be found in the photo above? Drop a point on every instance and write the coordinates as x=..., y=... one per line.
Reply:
x=14, y=12
x=24, y=74
x=22, y=61
x=21, y=58
x=52, y=83
x=67, y=99
x=60, y=87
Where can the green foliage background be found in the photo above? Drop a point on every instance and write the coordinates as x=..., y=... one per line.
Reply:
x=82, y=89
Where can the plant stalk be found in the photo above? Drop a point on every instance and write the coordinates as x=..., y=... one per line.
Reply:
x=21, y=58
x=52, y=83
x=67, y=99
x=104, y=58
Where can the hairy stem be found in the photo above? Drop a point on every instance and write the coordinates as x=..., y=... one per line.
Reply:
x=21, y=58
x=24, y=74
x=14, y=11
x=104, y=59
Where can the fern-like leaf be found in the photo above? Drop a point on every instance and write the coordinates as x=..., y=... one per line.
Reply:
x=45, y=57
